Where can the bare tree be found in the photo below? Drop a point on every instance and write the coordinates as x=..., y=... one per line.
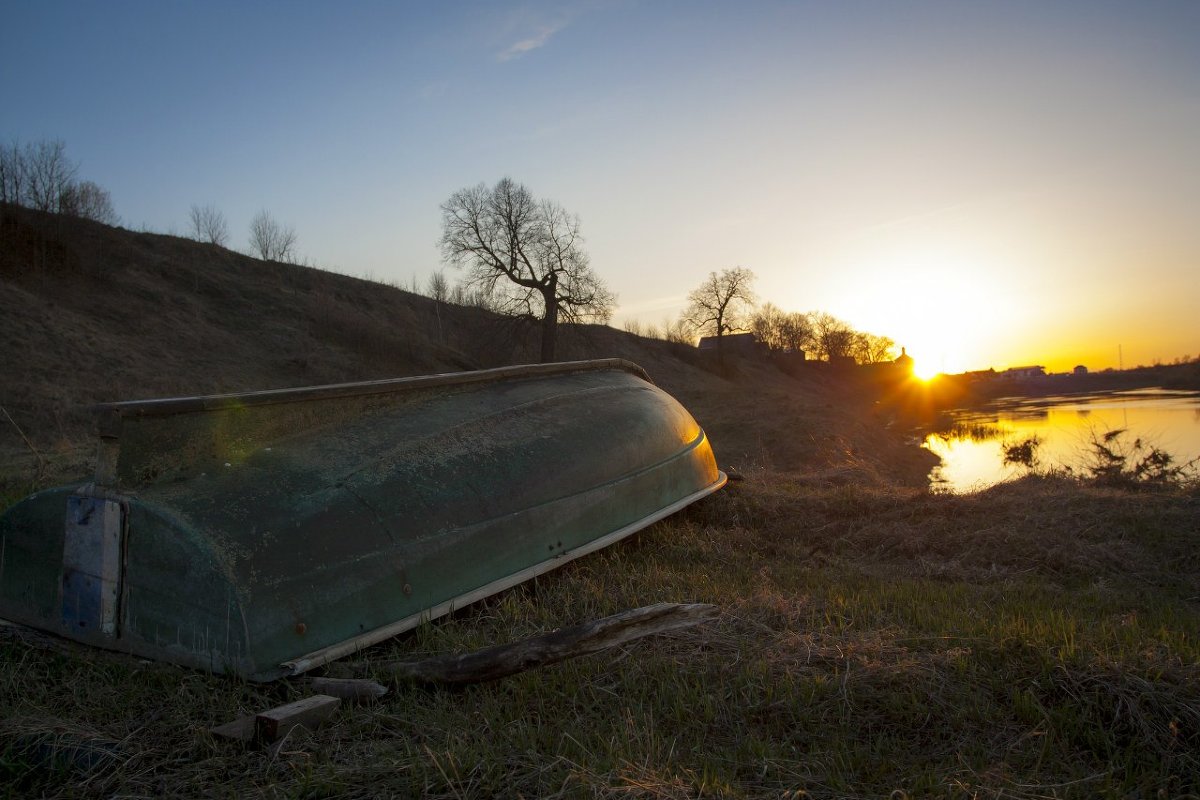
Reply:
x=870, y=348
x=582, y=297
x=526, y=256
x=209, y=225
x=439, y=287
x=461, y=295
x=39, y=175
x=48, y=174
x=678, y=332
x=832, y=338
x=722, y=303
x=89, y=201
x=271, y=240
x=12, y=174
x=781, y=331
x=796, y=332
x=439, y=290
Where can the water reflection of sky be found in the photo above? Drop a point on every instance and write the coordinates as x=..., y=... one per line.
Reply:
x=1168, y=420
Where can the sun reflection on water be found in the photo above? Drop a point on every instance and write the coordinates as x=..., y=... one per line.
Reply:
x=973, y=457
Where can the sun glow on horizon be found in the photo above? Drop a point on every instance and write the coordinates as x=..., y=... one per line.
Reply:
x=942, y=285
x=924, y=369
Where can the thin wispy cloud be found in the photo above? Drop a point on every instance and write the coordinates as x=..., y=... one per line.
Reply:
x=433, y=91
x=666, y=303
x=528, y=44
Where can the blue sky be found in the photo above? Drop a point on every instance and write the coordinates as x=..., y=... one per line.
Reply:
x=987, y=183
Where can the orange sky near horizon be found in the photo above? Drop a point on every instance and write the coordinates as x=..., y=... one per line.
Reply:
x=1057, y=279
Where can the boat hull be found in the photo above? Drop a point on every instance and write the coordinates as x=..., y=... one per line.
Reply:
x=266, y=537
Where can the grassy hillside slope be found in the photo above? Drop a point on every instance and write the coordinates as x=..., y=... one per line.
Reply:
x=91, y=313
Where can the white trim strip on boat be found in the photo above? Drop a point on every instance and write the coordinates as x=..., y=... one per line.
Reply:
x=334, y=652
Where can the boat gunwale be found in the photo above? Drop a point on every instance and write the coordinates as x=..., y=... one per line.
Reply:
x=165, y=407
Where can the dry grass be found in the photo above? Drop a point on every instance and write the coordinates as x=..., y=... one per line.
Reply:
x=1037, y=640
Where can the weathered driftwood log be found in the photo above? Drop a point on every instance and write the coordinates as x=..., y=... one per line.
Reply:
x=500, y=661
x=352, y=690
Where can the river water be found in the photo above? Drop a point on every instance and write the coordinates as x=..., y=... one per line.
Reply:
x=972, y=452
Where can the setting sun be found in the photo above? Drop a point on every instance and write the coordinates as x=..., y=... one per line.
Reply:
x=924, y=369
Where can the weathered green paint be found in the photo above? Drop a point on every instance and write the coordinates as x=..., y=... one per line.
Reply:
x=259, y=533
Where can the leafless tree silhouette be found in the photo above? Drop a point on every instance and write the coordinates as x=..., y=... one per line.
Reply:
x=524, y=254
x=88, y=200
x=782, y=331
x=209, y=225
x=722, y=304
x=271, y=240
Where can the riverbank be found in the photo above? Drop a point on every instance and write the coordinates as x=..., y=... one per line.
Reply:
x=976, y=388
x=1142, y=435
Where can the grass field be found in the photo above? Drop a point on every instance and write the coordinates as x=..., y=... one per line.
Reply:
x=1040, y=639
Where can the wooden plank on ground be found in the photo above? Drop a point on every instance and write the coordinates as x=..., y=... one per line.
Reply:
x=309, y=712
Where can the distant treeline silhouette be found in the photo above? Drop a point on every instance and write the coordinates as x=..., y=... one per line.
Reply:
x=39, y=175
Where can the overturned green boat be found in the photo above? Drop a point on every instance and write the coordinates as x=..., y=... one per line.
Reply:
x=267, y=533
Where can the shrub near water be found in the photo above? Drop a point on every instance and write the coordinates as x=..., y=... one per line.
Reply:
x=1038, y=639
x=1110, y=460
